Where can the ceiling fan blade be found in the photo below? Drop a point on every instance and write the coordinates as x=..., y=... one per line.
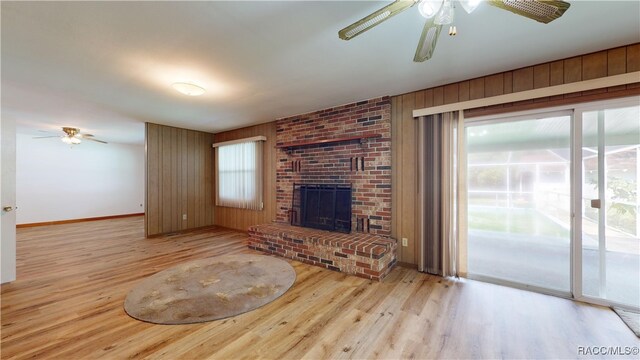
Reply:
x=544, y=11
x=96, y=140
x=84, y=136
x=45, y=137
x=375, y=18
x=428, y=40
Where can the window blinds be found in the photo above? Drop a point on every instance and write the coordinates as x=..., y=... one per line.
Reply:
x=239, y=174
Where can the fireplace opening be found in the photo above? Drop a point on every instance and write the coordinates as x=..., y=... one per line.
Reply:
x=319, y=206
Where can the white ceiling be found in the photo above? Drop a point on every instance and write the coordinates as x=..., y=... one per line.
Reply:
x=107, y=67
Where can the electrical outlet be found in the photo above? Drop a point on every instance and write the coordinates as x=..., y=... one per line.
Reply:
x=184, y=216
x=405, y=242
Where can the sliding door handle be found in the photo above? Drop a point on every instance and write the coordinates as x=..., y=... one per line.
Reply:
x=595, y=203
x=9, y=208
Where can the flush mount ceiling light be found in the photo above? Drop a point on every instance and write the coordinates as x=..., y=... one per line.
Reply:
x=188, y=88
x=441, y=12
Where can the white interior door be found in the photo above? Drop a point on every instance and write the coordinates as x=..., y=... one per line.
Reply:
x=7, y=200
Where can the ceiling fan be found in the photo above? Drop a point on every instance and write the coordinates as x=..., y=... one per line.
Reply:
x=441, y=12
x=72, y=136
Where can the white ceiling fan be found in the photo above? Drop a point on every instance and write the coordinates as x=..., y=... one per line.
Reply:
x=441, y=12
x=72, y=136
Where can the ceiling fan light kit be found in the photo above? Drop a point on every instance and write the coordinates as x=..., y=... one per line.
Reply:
x=429, y=8
x=72, y=136
x=469, y=5
x=446, y=14
x=442, y=12
x=70, y=140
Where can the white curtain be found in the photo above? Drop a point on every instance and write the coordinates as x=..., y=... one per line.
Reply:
x=239, y=175
x=442, y=194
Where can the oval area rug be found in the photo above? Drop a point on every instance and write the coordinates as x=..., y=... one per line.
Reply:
x=209, y=289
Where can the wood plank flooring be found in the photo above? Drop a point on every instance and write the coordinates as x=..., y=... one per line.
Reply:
x=72, y=281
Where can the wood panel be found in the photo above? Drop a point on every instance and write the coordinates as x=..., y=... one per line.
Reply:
x=476, y=89
x=594, y=65
x=617, y=61
x=438, y=96
x=573, y=70
x=541, y=76
x=494, y=85
x=523, y=79
x=241, y=219
x=71, y=308
x=633, y=58
x=451, y=94
x=396, y=170
x=599, y=64
x=556, y=73
x=463, y=89
x=403, y=156
x=179, y=179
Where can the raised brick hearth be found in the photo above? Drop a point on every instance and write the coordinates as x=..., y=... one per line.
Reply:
x=364, y=255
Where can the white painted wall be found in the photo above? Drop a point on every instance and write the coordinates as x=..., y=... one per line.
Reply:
x=55, y=181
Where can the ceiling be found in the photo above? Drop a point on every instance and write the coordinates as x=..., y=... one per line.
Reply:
x=107, y=67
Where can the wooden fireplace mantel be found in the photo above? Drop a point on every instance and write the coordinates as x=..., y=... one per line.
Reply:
x=292, y=145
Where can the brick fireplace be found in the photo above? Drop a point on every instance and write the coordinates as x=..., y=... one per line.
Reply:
x=347, y=146
x=365, y=164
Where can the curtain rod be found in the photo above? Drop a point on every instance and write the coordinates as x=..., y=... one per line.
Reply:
x=238, y=141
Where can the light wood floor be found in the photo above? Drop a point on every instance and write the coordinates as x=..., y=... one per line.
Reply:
x=72, y=281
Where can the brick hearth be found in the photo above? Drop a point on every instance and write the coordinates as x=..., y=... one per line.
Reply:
x=364, y=255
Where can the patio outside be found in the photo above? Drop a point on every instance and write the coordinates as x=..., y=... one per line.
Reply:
x=519, y=205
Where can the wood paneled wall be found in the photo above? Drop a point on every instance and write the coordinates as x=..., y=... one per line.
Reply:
x=179, y=179
x=615, y=61
x=241, y=219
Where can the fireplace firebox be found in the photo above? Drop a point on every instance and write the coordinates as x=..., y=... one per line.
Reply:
x=321, y=206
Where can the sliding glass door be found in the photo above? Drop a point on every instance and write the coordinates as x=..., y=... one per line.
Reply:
x=609, y=171
x=519, y=199
x=553, y=201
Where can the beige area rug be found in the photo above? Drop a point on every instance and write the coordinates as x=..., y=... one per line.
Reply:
x=631, y=318
x=209, y=289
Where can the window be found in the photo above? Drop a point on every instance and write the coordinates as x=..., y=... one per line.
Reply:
x=239, y=173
